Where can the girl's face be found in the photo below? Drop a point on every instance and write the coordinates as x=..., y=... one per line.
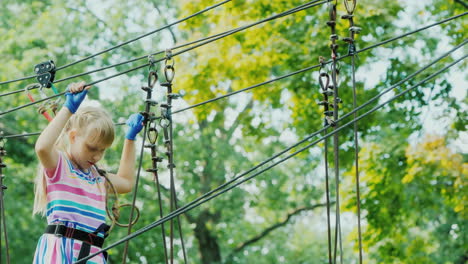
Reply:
x=86, y=150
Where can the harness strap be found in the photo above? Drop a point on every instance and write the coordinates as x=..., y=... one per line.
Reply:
x=86, y=248
x=62, y=230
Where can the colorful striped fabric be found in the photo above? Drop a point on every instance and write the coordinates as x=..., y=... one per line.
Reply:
x=76, y=199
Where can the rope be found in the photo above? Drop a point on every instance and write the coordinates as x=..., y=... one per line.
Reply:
x=334, y=72
x=134, y=193
x=2, y=204
x=299, y=71
x=324, y=86
x=152, y=138
x=352, y=52
x=203, y=41
x=284, y=76
x=124, y=43
x=202, y=199
x=166, y=109
x=291, y=11
x=340, y=58
x=148, y=104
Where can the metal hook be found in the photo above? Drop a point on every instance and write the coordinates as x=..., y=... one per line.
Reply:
x=152, y=79
x=152, y=134
x=169, y=72
x=164, y=122
x=169, y=66
x=30, y=87
x=323, y=85
x=350, y=8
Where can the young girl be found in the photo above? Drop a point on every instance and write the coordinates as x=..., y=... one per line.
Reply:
x=69, y=190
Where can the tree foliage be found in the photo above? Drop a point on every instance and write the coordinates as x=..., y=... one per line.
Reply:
x=413, y=193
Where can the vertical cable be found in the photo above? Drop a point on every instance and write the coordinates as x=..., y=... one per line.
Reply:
x=146, y=114
x=153, y=139
x=352, y=52
x=356, y=161
x=336, y=100
x=169, y=73
x=2, y=204
x=326, y=122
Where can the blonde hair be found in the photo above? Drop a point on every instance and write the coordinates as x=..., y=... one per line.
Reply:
x=86, y=121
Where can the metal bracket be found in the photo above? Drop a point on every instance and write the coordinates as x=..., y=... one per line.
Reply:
x=45, y=73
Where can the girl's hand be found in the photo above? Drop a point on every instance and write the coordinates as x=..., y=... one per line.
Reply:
x=135, y=124
x=75, y=95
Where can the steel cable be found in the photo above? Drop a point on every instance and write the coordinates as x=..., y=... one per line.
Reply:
x=205, y=198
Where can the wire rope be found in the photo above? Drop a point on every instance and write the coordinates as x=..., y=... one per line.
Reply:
x=204, y=41
x=199, y=201
x=287, y=75
x=340, y=58
x=125, y=43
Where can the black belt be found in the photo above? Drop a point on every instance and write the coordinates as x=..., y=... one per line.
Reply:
x=62, y=230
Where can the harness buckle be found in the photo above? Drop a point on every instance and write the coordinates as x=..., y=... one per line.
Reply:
x=57, y=230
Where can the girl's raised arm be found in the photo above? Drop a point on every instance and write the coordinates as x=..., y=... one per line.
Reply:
x=123, y=181
x=45, y=144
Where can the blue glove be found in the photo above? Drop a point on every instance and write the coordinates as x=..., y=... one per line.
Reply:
x=73, y=100
x=135, y=124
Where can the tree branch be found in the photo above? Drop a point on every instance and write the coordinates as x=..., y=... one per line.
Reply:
x=165, y=21
x=104, y=23
x=462, y=3
x=270, y=229
x=236, y=122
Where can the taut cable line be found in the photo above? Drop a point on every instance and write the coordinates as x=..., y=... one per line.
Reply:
x=353, y=30
x=152, y=78
x=3, y=225
x=205, y=40
x=287, y=75
x=334, y=113
x=291, y=11
x=324, y=80
x=296, y=72
x=175, y=54
x=207, y=197
x=126, y=42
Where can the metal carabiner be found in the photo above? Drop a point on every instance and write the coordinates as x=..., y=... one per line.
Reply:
x=152, y=133
x=324, y=86
x=169, y=70
x=152, y=79
x=164, y=122
x=350, y=8
x=169, y=73
x=42, y=109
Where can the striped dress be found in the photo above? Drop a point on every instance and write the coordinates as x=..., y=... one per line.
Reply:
x=76, y=199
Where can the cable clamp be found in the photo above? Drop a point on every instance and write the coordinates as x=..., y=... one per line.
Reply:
x=151, y=61
x=334, y=37
x=355, y=29
x=351, y=48
x=347, y=16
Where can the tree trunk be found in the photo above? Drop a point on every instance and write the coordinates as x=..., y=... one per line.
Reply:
x=207, y=243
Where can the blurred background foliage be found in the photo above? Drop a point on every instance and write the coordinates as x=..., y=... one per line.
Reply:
x=413, y=163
